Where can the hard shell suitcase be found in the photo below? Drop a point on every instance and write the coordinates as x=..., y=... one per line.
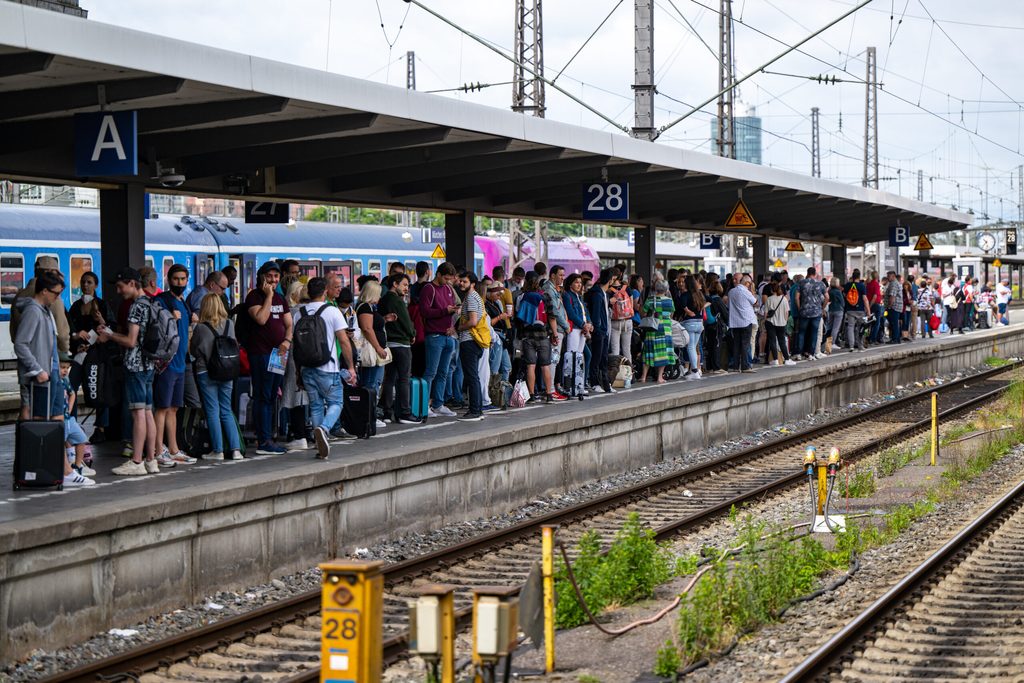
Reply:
x=359, y=412
x=419, y=397
x=573, y=374
x=39, y=448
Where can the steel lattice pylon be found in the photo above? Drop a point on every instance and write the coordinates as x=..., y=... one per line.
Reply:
x=815, y=144
x=725, y=136
x=871, y=122
x=527, y=86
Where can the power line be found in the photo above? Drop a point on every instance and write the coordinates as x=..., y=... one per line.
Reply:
x=589, y=38
x=391, y=43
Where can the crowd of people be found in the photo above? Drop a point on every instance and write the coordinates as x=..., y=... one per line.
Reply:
x=444, y=344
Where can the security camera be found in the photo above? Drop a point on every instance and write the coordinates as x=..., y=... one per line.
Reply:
x=172, y=179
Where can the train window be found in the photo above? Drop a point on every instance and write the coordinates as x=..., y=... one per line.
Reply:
x=309, y=269
x=12, y=277
x=149, y=260
x=168, y=262
x=373, y=267
x=410, y=269
x=80, y=265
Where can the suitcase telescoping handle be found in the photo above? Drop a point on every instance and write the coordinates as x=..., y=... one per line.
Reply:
x=32, y=399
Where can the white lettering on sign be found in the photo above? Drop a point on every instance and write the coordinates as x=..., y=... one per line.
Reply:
x=108, y=127
x=610, y=198
x=901, y=234
x=269, y=211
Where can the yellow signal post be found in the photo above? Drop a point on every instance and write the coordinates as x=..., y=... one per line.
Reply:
x=548, y=572
x=822, y=486
x=432, y=629
x=935, y=427
x=351, y=627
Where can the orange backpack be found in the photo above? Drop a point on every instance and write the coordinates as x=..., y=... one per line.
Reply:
x=622, y=304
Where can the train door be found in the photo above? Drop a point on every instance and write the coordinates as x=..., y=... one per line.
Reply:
x=205, y=264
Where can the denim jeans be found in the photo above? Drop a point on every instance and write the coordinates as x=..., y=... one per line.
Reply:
x=439, y=349
x=808, y=336
x=694, y=328
x=500, y=362
x=325, y=396
x=265, y=385
x=372, y=378
x=456, y=379
x=895, y=319
x=216, y=399
x=469, y=355
x=877, y=331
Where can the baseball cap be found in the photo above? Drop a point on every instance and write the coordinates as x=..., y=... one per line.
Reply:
x=127, y=275
x=267, y=267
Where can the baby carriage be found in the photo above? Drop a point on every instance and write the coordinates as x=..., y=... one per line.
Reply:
x=680, y=340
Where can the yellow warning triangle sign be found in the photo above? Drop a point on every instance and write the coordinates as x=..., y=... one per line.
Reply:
x=794, y=246
x=778, y=263
x=997, y=263
x=923, y=243
x=438, y=252
x=740, y=217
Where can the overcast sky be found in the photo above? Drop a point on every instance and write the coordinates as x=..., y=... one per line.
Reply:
x=963, y=67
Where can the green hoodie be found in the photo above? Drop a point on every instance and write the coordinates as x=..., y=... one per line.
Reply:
x=401, y=331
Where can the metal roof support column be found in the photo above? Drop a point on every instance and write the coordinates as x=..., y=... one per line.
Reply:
x=761, y=263
x=122, y=231
x=644, y=240
x=837, y=255
x=458, y=238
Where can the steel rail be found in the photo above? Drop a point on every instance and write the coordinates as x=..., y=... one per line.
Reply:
x=134, y=662
x=819, y=661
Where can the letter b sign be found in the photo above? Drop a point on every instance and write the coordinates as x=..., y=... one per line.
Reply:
x=899, y=236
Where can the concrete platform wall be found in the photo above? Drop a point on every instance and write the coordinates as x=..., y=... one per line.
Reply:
x=62, y=583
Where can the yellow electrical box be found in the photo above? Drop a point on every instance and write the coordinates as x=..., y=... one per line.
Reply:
x=351, y=627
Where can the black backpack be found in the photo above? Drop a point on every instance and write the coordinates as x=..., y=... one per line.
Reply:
x=311, y=347
x=224, y=363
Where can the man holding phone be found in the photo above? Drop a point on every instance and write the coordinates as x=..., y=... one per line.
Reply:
x=270, y=329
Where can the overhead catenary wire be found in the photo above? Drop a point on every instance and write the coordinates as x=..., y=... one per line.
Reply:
x=765, y=65
x=589, y=38
x=489, y=45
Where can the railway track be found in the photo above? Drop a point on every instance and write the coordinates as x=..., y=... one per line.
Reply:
x=957, y=616
x=280, y=642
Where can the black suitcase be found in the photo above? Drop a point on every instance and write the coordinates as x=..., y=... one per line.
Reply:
x=39, y=454
x=359, y=412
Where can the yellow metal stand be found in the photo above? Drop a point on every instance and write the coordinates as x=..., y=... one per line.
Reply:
x=548, y=571
x=822, y=487
x=351, y=630
x=935, y=427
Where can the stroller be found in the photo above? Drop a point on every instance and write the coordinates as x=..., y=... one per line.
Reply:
x=861, y=329
x=680, y=340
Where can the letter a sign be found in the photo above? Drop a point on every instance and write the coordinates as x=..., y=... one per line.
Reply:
x=106, y=143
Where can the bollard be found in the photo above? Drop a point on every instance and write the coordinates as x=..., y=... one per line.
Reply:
x=432, y=628
x=935, y=427
x=548, y=571
x=351, y=626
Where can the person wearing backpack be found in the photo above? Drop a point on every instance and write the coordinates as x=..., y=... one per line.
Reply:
x=215, y=355
x=320, y=331
x=857, y=309
x=169, y=385
x=621, y=335
x=139, y=370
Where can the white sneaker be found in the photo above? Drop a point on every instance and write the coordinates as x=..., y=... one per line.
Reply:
x=789, y=362
x=164, y=460
x=322, y=448
x=381, y=424
x=774, y=363
x=693, y=376
x=214, y=455
x=237, y=455
x=183, y=458
x=819, y=356
x=75, y=479
x=597, y=389
x=152, y=466
x=131, y=469
x=85, y=470
x=431, y=413
x=444, y=411
x=297, y=445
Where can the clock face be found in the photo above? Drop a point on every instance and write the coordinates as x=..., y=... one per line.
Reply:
x=986, y=241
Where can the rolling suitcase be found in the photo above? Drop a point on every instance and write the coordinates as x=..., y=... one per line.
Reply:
x=419, y=397
x=39, y=448
x=359, y=412
x=573, y=374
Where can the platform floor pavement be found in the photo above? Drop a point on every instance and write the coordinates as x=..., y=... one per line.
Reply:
x=111, y=489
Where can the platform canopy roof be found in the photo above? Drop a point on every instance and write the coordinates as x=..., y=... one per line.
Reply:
x=237, y=125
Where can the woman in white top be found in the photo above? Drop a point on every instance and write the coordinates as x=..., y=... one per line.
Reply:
x=776, y=313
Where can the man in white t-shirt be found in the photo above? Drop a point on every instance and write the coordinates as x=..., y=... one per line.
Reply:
x=323, y=383
x=1003, y=294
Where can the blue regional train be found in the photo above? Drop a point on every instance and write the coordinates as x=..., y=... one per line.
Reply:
x=202, y=244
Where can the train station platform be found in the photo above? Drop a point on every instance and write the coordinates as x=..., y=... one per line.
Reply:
x=76, y=562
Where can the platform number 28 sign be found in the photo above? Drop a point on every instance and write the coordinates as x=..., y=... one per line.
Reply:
x=606, y=201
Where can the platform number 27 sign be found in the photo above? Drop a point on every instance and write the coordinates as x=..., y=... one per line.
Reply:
x=606, y=201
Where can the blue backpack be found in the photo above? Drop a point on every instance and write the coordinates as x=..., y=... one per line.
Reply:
x=531, y=312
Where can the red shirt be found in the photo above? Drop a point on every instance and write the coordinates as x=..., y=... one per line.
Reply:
x=874, y=292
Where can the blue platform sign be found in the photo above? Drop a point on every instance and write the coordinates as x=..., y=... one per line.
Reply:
x=710, y=241
x=606, y=201
x=106, y=143
x=266, y=212
x=899, y=236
